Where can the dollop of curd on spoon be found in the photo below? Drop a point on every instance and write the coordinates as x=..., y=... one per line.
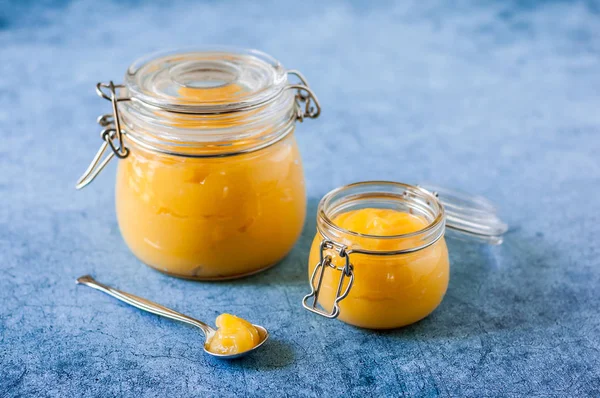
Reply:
x=233, y=336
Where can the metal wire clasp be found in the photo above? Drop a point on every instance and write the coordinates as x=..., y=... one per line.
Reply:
x=345, y=272
x=305, y=98
x=112, y=130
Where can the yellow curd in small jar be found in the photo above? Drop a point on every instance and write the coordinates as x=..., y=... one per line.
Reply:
x=388, y=291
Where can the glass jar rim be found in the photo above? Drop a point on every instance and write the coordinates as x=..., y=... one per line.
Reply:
x=390, y=190
x=186, y=135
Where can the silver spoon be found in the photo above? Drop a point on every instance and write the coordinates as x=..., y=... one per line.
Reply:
x=158, y=309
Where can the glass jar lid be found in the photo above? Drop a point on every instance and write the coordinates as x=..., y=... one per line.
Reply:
x=469, y=216
x=206, y=81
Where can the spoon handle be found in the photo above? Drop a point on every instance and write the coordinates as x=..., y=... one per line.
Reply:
x=144, y=304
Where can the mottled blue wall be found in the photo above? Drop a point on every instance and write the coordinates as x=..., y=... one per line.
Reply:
x=496, y=98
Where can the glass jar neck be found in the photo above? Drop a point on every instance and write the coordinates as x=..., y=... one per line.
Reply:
x=198, y=135
x=381, y=195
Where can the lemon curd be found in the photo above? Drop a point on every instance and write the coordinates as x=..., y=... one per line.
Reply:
x=211, y=218
x=233, y=336
x=387, y=291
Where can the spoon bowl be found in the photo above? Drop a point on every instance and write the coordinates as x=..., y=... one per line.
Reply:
x=150, y=306
x=262, y=333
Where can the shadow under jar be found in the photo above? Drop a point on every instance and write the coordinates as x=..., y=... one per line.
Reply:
x=210, y=183
x=385, y=281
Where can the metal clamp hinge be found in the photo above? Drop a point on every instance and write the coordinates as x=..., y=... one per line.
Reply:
x=346, y=272
x=112, y=132
x=307, y=103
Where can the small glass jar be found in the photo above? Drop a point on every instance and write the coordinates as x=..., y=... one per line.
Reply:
x=210, y=183
x=385, y=282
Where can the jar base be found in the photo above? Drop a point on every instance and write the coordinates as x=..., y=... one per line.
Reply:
x=391, y=327
x=214, y=278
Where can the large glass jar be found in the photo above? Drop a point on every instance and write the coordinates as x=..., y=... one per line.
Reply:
x=210, y=183
x=383, y=281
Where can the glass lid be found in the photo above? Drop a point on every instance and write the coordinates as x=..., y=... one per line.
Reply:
x=206, y=81
x=469, y=216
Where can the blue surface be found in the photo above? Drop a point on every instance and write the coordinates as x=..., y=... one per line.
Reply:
x=495, y=98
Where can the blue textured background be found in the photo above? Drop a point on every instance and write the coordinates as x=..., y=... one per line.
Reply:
x=496, y=98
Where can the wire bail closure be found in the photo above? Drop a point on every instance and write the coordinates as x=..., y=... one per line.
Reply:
x=113, y=123
x=345, y=272
x=305, y=98
x=112, y=129
x=307, y=106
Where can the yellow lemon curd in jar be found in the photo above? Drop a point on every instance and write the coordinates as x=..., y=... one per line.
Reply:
x=388, y=291
x=233, y=336
x=211, y=217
